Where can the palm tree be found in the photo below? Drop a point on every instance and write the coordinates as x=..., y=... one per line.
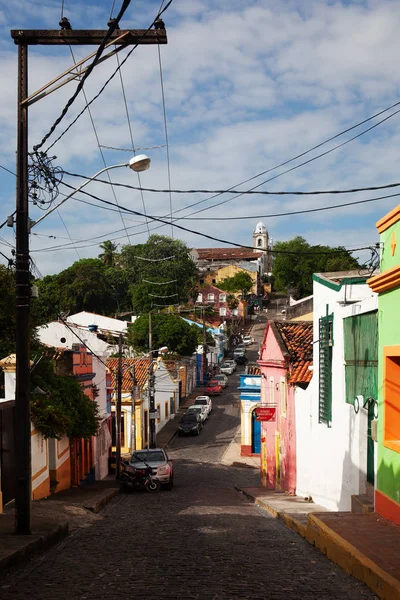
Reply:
x=109, y=252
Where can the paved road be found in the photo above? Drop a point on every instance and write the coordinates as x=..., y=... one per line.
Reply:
x=201, y=540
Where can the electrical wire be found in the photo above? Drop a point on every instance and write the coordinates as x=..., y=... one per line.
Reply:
x=110, y=78
x=8, y=170
x=210, y=237
x=246, y=192
x=130, y=149
x=102, y=153
x=68, y=233
x=131, y=136
x=166, y=137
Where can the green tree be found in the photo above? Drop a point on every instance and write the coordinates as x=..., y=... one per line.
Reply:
x=7, y=312
x=160, y=271
x=241, y=282
x=168, y=330
x=109, y=253
x=295, y=262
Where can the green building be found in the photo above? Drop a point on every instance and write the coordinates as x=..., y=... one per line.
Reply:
x=387, y=285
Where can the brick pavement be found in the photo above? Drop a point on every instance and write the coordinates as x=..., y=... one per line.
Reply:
x=200, y=540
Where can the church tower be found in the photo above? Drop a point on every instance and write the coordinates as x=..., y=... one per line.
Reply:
x=260, y=242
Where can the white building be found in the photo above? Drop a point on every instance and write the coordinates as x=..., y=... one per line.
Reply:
x=59, y=335
x=102, y=324
x=336, y=457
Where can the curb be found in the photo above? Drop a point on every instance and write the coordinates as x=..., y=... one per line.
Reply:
x=289, y=520
x=99, y=504
x=37, y=545
x=351, y=560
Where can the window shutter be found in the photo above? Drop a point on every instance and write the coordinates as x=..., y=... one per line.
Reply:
x=325, y=369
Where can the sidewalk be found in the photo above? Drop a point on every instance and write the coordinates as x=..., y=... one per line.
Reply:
x=364, y=545
x=52, y=519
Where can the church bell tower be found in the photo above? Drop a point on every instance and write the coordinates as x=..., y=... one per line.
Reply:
x=260, y=242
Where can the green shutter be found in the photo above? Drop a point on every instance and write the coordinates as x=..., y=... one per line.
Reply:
x=325, y=369
x=361, y=356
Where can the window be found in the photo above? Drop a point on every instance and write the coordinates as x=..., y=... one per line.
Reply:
x=201, y=281
x=259, y=242
x=199, y=298
x=391, y=398
x=166, y=410
x=283, y=393
x=222, y=297
x=325, y=369
x=214, y=281
x=210, y=297
x=159, y=413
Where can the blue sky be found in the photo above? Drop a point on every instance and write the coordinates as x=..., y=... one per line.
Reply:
x=247, y=86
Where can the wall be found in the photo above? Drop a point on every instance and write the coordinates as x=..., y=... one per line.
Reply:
x=40, y=465
x=229, y=271
x=278, y=465
x=249, y=399
x=60, y=463
x=332, y=461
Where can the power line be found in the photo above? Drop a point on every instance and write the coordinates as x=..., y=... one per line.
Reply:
x=130, y=149
x=243, y=192
x=205, y=235
x=111, y=29
x=166, y=137
x=102, y=153
x=131, y=136
x=68, y=233
x=110, y=78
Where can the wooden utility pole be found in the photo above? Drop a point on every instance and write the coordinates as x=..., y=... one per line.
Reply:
x=150, y=386
x=204, y=345
x=133, y=415
x=118, y=410
x=25, y=38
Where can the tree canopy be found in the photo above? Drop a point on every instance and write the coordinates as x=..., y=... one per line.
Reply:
x=168, y=330
x=157, y=272
x=295, y=262
x=241, y=282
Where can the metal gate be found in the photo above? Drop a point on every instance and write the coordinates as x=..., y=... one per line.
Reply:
x=7, y=450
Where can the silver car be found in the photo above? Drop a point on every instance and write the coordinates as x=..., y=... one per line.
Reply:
x=200, y=409
x=158, y=460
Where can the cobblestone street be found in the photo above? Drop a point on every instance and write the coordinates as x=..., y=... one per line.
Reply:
x=201, y=540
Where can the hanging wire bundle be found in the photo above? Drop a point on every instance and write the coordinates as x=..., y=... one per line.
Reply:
x=43, y=179
x=372, y=264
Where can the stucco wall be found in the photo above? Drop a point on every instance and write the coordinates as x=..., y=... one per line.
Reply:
x=332, y=461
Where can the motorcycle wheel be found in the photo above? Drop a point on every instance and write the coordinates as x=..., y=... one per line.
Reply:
x=152, y=486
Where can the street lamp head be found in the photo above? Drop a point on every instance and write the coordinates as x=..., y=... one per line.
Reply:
x=139, y=163
x=163, y=350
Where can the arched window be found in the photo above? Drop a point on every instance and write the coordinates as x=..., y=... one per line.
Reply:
x=259, y=242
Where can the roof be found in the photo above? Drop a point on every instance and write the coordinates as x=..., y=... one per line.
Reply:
x=227, y=254
x=138, y=366
x=84, y=319
x=298, y=340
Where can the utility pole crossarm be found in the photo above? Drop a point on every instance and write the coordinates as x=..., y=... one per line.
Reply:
x=76, y=37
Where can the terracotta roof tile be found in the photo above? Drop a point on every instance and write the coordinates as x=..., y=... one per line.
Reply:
x=226, y=254
x=298, y=339
x=140, y=366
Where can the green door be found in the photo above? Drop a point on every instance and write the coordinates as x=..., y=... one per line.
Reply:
x=361, y=370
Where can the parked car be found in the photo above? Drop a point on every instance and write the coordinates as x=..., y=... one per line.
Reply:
x=223, y=380
x=158, y=460
x=204, y=401
x=238, y=352
x=242, y=360
x=214, y=388
x=247, y=340
x=199, y=409
x=227, y=368
x=230, y=361
x=241, y=346
x=190, y=423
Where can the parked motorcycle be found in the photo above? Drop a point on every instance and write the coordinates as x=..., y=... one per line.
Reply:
x=138, y=479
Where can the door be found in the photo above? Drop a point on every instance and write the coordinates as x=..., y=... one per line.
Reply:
x=255, y=434
x=370, y=445
x=7, y=451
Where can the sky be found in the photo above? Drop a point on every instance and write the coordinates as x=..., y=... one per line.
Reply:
x=247, y=85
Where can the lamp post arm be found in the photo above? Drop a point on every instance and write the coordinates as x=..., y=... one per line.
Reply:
x=85, y=183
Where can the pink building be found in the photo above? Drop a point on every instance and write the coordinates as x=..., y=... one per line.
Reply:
x=285, y=358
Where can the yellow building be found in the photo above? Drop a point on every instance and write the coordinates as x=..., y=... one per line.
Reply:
x=215, y=276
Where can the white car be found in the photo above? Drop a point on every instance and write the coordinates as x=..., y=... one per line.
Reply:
x=200, y=409
x=239, y=352
x=229, y=361
x=204, y=401
x=247, y=340
x=227, y=368
x=222, y=379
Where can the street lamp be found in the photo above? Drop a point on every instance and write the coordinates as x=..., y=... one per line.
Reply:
x=138, y=163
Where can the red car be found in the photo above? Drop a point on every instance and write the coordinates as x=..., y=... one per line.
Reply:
x=213, y=388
